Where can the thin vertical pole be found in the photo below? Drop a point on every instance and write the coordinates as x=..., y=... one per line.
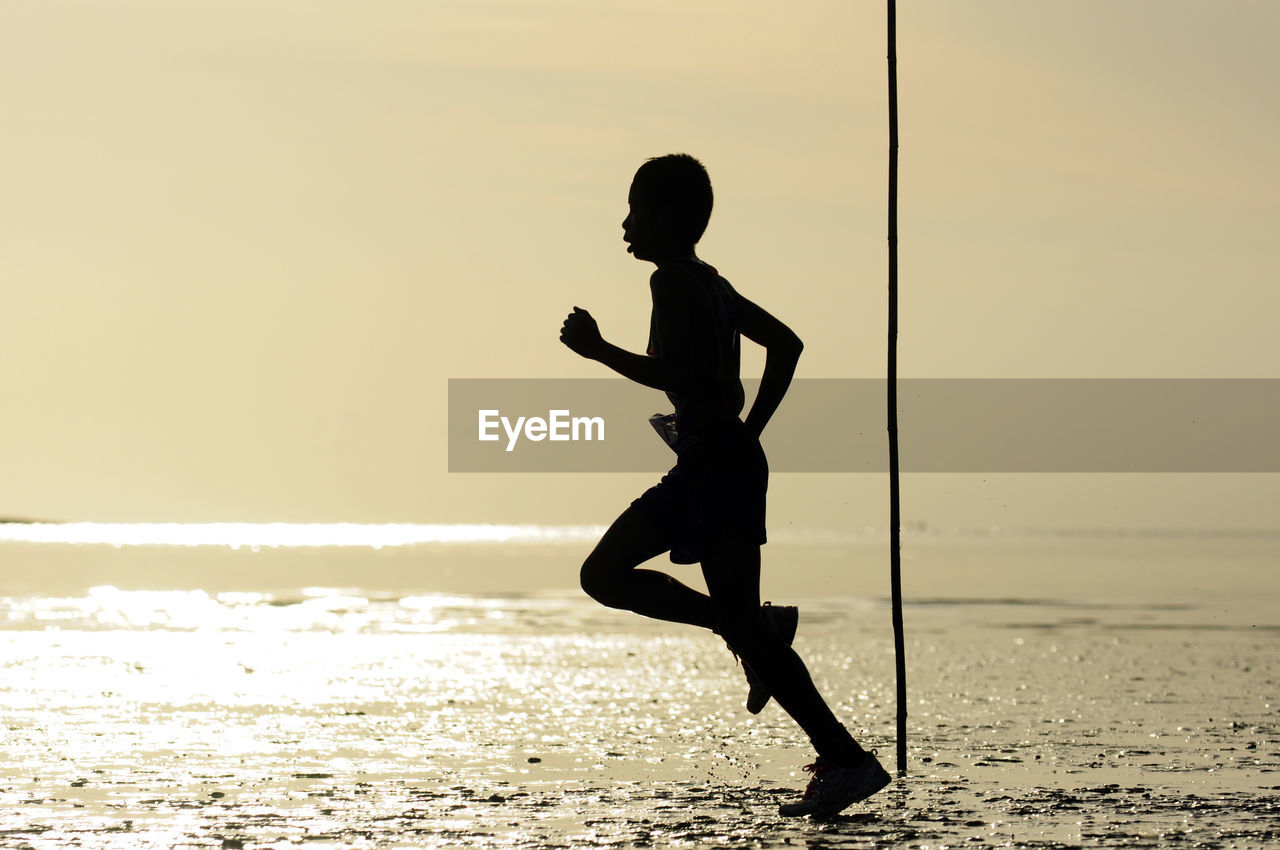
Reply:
x=895, y=518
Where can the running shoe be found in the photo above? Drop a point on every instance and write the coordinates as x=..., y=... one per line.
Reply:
x=782, y=620
x=834, y=788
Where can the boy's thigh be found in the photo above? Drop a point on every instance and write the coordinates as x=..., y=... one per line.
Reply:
x=731, y=569
x=633, y=538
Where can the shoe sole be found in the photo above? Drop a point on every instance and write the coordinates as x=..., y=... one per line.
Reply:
x=784, y=620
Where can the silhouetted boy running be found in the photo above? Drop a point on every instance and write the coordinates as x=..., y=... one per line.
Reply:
x=710, y=508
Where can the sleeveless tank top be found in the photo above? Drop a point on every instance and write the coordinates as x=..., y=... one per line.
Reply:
x=716, y=396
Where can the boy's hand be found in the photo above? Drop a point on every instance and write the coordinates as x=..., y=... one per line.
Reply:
x=581, y=333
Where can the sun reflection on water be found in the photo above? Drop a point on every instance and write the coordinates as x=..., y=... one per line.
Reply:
x=283, y=534
x=311, y=609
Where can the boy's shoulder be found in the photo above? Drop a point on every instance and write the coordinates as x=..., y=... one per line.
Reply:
x=668, y=281
x=681, y=274
x=695, y=292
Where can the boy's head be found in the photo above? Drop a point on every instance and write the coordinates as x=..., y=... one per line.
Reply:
x=670, y=203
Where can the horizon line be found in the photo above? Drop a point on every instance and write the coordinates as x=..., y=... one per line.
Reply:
x=255, y=535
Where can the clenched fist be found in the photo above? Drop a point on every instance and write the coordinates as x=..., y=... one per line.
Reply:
x=581, y=333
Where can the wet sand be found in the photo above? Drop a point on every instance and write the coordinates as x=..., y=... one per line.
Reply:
x=414, y=718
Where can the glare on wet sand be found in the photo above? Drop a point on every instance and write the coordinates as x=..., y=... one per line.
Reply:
x=367, y=717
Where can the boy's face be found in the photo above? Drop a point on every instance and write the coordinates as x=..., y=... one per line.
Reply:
x=643, y=229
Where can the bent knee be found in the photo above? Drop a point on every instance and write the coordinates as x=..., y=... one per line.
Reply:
x=590, y=579
x=597, y=582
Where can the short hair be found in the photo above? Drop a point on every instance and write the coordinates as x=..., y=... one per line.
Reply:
x=679, y=183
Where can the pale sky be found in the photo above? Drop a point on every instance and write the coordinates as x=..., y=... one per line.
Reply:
x=246, y=244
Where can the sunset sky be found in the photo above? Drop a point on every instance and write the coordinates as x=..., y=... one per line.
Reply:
x=244, y=245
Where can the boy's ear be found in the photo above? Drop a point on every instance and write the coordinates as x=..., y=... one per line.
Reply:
x=668, y=219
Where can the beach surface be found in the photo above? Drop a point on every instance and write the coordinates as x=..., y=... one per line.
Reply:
x=1117, y=693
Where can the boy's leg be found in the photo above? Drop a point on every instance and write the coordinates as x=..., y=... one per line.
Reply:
x=732, y=572
x=610, y=574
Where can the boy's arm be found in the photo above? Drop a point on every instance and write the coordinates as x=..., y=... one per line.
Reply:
x=782, y=352
x=669, y=371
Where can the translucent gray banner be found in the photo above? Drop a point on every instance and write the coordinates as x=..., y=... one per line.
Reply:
x=839, y=425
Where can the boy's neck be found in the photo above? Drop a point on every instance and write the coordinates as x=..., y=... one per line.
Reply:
x=677, y=255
